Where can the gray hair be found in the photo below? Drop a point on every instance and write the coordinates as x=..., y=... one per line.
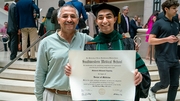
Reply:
x=66, y=5
x=125, y=7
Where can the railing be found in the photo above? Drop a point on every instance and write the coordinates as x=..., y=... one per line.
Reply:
x=34, y=43
x=143, y=48
x=144, y=45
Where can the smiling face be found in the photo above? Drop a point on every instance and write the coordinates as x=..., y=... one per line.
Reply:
x=68, y=18
x=105, y=21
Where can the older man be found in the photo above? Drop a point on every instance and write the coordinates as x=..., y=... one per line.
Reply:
x=51, y=84
x=124, y=26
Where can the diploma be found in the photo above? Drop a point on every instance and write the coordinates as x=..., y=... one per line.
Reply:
x=102, y=75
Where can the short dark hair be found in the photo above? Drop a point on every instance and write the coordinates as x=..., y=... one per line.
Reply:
x=168, y=4
x=87, y=8
x=61, y=3
x=49, y=12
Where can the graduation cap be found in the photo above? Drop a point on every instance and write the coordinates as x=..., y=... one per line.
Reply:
x=96, y=8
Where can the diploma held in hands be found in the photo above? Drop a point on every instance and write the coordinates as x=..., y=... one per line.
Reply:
x=102, y=75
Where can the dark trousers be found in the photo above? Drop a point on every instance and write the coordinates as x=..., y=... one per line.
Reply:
x=13, y=45
x=169, y=75
x=5, y=43
x=178, y=51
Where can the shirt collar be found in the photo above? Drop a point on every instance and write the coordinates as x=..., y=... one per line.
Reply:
x=14, y=2
x=125, y=16
x=166, y=19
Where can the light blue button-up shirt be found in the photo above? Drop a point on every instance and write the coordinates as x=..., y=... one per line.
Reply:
x=51, y=60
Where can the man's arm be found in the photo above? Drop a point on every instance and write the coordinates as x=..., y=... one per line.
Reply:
x=133, y=24
x=36, y=9
x=156, y=41
x=41, y=72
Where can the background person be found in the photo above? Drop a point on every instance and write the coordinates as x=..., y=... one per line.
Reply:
x=27, y=25
x=124, y=26
x=79, y=6
x=3, y=32
x=139, y=23
x=134, y=26
x=163, y=36
x=47, y=23
x=54, y=15
x=12, y=30
x=6, y=7
x=90, y=22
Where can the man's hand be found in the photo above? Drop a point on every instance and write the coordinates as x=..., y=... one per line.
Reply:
x=172, y=39
x=137, y=77
x=136, y=47
x=67, y=69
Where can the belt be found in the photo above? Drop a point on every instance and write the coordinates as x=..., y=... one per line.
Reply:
x=59, y=92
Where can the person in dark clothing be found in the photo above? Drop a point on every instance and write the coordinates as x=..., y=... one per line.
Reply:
x=12, y=30
x=161, y=15
x=176, y=18
x=134, y=27
x=163, y=36
x=27, y=13
x=81, y=10
x=124, y=26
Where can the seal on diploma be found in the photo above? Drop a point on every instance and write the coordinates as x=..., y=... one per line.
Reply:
x=102, y=91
